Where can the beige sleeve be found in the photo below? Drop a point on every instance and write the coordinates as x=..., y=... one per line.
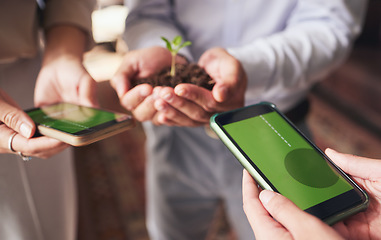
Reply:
x=73, y=12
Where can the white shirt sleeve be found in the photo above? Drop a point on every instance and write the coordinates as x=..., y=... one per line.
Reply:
x=317, y=37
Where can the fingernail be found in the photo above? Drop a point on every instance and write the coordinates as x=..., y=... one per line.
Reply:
x=168, y=97
x=26, y=130
x=265, y=196
x=145, y=92
x=181, y=92
x=159, y=105
x=155, y=94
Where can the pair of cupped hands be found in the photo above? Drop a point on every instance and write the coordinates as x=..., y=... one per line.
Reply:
x=186, y=104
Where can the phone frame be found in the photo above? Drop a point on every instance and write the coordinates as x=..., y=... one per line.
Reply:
x=85, y=137
x=261, y=179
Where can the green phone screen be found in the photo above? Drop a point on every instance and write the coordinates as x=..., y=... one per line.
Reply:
x=71, y=118
x=291, y=164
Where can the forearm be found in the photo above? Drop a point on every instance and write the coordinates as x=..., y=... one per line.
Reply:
x=65, y=40
x=67, y=27
x=294, y=58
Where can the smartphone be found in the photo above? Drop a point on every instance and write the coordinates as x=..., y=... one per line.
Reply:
x=79, y=125
x=280, y=158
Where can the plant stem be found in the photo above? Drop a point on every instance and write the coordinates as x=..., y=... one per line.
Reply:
x=173, y=65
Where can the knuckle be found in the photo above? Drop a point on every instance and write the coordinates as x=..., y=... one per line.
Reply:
x=26, y=149
x=10, y=119
x=277, y=206
x=181, y=103
x=31, y=152
x=140, y=118
x=128, y=106
x=200, y=115
x=210, y=106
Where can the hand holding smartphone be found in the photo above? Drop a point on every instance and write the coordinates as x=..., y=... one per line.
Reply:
x=280, y=158
x=79, y=125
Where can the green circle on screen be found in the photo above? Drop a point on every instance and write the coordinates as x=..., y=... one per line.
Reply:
x=309, y=168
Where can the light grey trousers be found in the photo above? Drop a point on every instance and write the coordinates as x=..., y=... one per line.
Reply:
x=188, y=175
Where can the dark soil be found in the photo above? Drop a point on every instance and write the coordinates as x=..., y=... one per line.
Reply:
x=189, y=73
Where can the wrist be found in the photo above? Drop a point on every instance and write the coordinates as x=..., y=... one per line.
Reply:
x=64, y=41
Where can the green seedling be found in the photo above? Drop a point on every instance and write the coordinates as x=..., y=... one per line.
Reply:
x=174, y=48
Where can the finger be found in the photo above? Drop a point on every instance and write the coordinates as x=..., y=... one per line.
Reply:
x=48, y=90
x=121, y=80
x=87, y=91
x=17, y=119
x=298, y=223
x=172, y=117
x=134, y=97
x=162, y=119
x=263, y=225
x=342, y=228
x=5, y=139
x=156, y=121
x=225, y=70
x=50, y=150
x=287, y=213
x=230, y=81
x=139, y=64
x=42, y=147
x=227, y=80
x=198, y=95
x=186, y=107
x=249, y=187
x=364, y=168
x=145, y=111
x=281, y=209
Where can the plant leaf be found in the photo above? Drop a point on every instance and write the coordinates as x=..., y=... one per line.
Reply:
x=177, y=40
x=185, y=44
x=169, y=45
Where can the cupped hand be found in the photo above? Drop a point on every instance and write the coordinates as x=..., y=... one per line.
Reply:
x=197, y=104
x=140, y=100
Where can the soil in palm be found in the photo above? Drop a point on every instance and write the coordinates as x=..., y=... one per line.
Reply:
x=185, y=73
